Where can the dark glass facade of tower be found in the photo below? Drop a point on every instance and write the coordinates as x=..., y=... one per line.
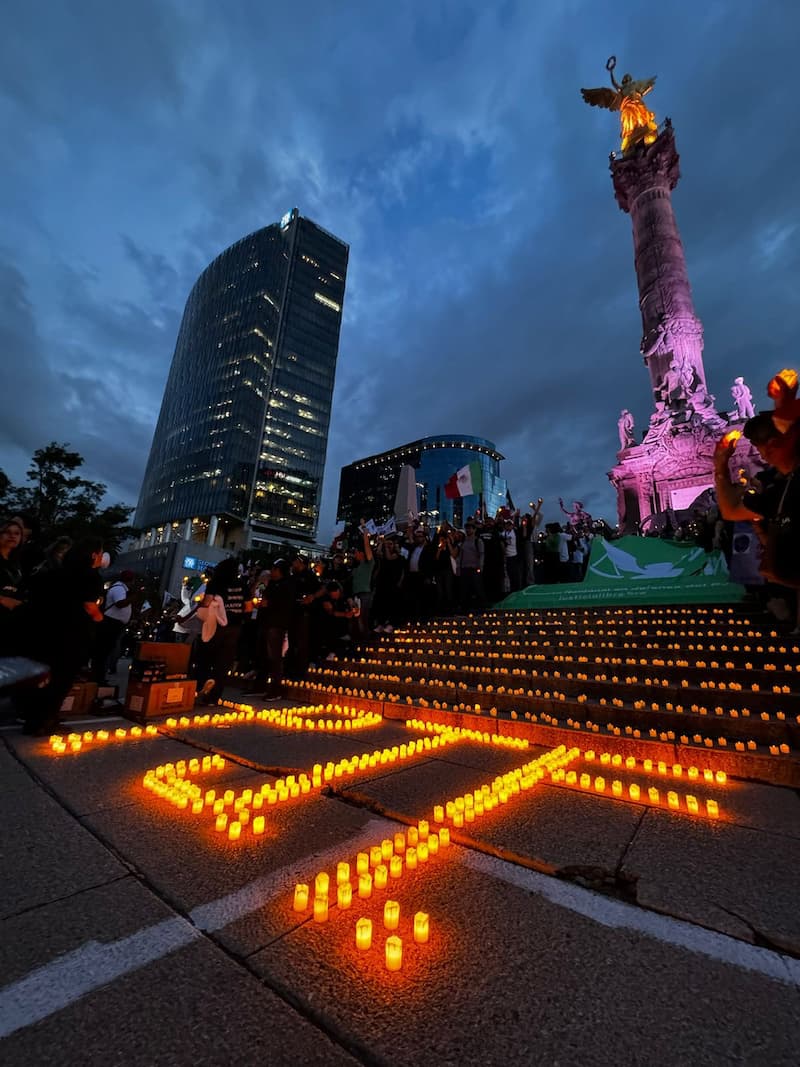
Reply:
x=368, y=487
x=243, y=428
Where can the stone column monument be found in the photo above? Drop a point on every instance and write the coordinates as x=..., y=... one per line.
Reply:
x=672, y=465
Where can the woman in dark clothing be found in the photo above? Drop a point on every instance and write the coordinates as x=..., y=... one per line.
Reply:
x=387, y=603
x=215, y=658
x=11, y=534
x=56, y=628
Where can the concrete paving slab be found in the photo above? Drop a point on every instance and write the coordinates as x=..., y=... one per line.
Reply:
x=296, y=750
x=194, y=1006
x=764, y=807
x=551, y=827
x=13, y=776
x=509, y=977
x=45, y=854
x=106, y=776
x=103, y=914
x=190, y=864
x=727, y=877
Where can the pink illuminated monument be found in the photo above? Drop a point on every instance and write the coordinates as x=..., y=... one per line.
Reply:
x=671, y=465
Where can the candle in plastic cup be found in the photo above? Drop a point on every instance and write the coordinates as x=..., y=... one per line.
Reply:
x=411, y=858
x=320, y=909
x=344, y=895
x=258, y=825
x=364, y=934
x=365, y=885
x=391, y=914
x=321, y=884
x=362, y=863
x=444, y=837
x=396, y=866
x=421, y=928
x=342, y=873
x=380, y=876
x=394, y=953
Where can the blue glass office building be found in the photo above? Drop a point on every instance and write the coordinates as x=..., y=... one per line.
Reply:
x=368, y=487
x=241, y=439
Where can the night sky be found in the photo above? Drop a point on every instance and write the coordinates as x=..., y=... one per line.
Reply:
x=491, y=287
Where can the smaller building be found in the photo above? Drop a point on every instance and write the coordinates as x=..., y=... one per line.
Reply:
x=368, y=487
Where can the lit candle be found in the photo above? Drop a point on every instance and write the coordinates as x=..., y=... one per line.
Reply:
x=344, y=895
x=258, y=825
x=375, y=856
x=387, y=848
x=412, y=836
x=411, y=859
x=394, y=953
x=365, y=885
x=433, y=844
x=364, y=934
x=399, y=842
x=444, y=837
x=396, y=866
x=362, y=863
x=320, y=909
x=422, y=852
x=342, y=872
x=321, y=884
x=712, y=808
x=423, y=829
x=672, y=800
x=421, y=928
x=235, y=831
x=438, y=813
x=391, y=914
x=221, y=823
x=652, y=795
x=380, y=876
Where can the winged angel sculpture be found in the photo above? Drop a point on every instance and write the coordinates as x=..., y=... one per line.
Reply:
x=637, y=121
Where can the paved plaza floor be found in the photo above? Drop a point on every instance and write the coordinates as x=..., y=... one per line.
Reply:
x=566, y=927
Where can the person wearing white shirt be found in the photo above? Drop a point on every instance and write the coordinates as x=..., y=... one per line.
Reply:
x=117, y=612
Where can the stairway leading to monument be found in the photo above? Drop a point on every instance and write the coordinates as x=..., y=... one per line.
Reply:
x=678, y=683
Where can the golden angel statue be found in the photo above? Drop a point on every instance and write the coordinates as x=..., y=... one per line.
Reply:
x=637, y=121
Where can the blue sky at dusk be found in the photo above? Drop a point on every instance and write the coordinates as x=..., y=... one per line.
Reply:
x=491, y=287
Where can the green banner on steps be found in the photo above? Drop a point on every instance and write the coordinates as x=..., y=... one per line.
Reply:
x=638, y=570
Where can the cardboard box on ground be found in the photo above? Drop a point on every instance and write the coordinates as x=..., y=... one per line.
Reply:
x=176, y=694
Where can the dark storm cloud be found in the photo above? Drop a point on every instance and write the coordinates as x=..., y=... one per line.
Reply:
x=491, y=286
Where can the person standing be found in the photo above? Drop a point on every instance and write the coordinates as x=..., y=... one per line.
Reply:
x=362, y=576
x=470, y=558
x=216, y=657
x=116, y=616
x=57, y=626
x=273, y=620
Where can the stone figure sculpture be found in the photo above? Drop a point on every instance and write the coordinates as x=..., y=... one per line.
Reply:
x=625, y=426
x=637, y=122
x=742, y=399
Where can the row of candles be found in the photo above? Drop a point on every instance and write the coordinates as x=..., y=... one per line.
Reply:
x=749, y=745
x=298, y=718
x=634, y=792
x=62, y=744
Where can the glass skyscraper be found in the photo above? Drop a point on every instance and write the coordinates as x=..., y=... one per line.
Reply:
x=368, y=487
x=242, y=434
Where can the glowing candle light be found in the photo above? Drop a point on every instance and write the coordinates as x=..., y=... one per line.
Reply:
x=364, y=934
x=433, y=844
x=375, y=856
x=221, y=823
x=320, y=909
x=300, y=897
x=600, y=785
x=380, y=876
x=672, y=800
x=235, y=831
x=458, y=819
x=258, y=825
x=387, y=849
x=652, y=795
x=721, y=777
x=633, y=791
x=344, y=895
x=394, y=953
x=412, y=836
x=616, y=788
x=438, y=813
x=423, y=829
x=712, y=808
x=411, y=859
x=444, y=837
x=342, y=872
x=362, y=863
x=422, y=852
x=691, y=804
x=421, y=928
x=391, y=914
x=396, y=866
x=321, y=884
x=365, y=885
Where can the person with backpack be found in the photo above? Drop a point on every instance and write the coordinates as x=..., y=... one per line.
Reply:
x=117, y=610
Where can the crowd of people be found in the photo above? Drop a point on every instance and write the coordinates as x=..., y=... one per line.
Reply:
x=268, y=622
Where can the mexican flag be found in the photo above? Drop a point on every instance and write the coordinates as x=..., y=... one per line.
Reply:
x=467, y=481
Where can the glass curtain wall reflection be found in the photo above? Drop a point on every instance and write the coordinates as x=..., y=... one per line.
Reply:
x=243, y=427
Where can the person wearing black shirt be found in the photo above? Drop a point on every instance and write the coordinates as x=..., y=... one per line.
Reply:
x=215, y=658
x=308, y=588
x=57, y=627
x=11, y=534
x=273, y=621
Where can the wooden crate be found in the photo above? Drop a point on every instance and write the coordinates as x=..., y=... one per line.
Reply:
x=150, y=700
